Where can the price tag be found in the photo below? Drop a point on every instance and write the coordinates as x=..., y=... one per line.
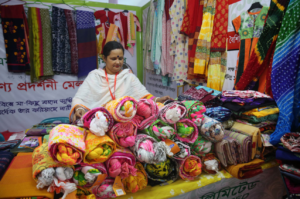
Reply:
x=174, y=147
x=118, y=187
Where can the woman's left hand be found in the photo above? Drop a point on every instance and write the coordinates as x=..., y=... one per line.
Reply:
x=163, y=99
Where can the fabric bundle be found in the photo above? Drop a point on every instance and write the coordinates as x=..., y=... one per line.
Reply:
x=201, y=146
x=223, y=152
x=228, y=124
x=66, y=144
x=219, y=113
x=147, y=113
x=86, y=174
x=187, y=131
x=98, y=149
x=122, y=109
x=162, y=173
x=172, y=112
x=184, y=152
x=9, y=144
x=195, y=111
x=123, y=134
x=105, y=190
x=212, y=129
x=98, y=121
x=160, y=130
x=235, y=149
x=148, y=150
x=190, y=168
x=136, y=183
x=121, y=163
x=246, y=170
x=6, y=157
x=291, y=141
x=197, y=94
x=211, y=164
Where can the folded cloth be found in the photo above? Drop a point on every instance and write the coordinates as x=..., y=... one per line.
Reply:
x=5, y=159
x=147, y=150
x=190, y=168
x=286, y=155
x=86, y=174
x=160, y=130
x=215, y=92
x=147, y=113
x=246, y=170
x=21, y=166
x=257, y=147
x=122, y=109
x=292, y=183
x=187, y=131
x=291, y=168
x=235, y=149
x=201, y=146
x=212, y=129
x=228, y=124
x=123, y=134
x=256, y=120
x=196, y=94
x=219, y=113
x=255, y=103
x=245, y=142
x=40, y=129
x=98, y=149
x=262, y=111
x=98, y=121
x=162, y=173
x=195, y=111
x=136, y=183
x=183, y=97
x=211, y=164
x=184, y=152
x=291, y=141
x=9, y=144
x=244, y=94
x=105, y=190
x=66, y=144
x=172, y=112
x=74, y=120
x=121, y=163
x=223, y=152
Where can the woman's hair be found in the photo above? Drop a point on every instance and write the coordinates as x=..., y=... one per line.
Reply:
x=111, y=45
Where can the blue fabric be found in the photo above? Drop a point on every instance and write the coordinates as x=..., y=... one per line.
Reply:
x=219, y=113
x=1, y=138
x=215, y=93
x=86, y=65
x=5, y=159
x=286, y=155
x=285, y=76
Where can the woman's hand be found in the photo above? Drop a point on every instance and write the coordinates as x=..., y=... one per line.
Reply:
x=163, y=99
x=79, y=111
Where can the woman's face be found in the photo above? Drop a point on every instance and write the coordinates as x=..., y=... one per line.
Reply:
x=114, y=61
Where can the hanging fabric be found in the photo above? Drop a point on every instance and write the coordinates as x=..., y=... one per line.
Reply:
x=217, y=70
x=15, y=32
x=105, y=16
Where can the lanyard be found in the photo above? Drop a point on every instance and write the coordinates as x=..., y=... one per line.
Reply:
x=112, y=96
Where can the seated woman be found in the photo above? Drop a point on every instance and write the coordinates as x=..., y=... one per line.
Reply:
x=104, y=85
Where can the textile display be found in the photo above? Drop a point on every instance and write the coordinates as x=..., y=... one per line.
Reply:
x=286, y=155
x=172, y=112
x=201, y=147
x=160, y=130
x=5, y=158
x=228, y=124
x=122, y=109
x=105, y=190
x=292, y=183
x=185, y=150
x=218, y=113
x=235, y=149
x=40, y=129
x=9, y=144
x=98, y=149
x=196, y=94
x=187, y=131
x=291, y=141
x=121, y=163
x=147, y=113
x=162, y=173
x=86, y=42
x=290, y=169
x=257, y=120
x=224, y=153
x=190, y=168
x=15, y=32
x=244, y=94
x=98, y=120
x=66, y=144
x=195, y=111
x=136, y=183
x=217, y=69
x=211, y=129
x=263, y=111
x=123, y=134
x=286, y=54
x=211, y=164
x=246, y=170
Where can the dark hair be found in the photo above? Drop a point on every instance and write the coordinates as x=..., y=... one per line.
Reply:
x=111, y=45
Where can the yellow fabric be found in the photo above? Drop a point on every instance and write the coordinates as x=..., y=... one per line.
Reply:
x=262, y=112
x=132, y=183
x=237, y=171
x=216, y=71
x=192, y=167
x=66, y=155
x=36, y=37
x=113, y=33
x=100, y=40
x=95, y=152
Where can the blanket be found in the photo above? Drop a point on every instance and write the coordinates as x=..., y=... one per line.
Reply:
x=201, y=146
x=172, y=112
x=136, y=183
x=211, y=164
x=105, y=190
x=195, y=111
x=187, y=131
x=219, y=113
x=223, y=152
x=211, y=129
x=86, y=174
x=246, y=170
x=185, y=150
x=291, y=141
x=123, y=134
x=190, y=168
x=5, y=158
x=160, y=130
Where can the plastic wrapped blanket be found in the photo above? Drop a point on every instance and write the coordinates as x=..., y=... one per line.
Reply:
x=190, y=168
x=123, y=134
x=172, y=112
x=212, y=129
x=136, y=183
x=201, y=146
x=160, y=130
x=105, y=190
x=195, y=111
x=86, y=174
x=187, y=131
x=291, y=141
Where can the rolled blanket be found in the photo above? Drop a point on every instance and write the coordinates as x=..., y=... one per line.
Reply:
x=162, y=173
x=98, y=149
x=136, y=183
x=190, y=168
x=228, y=124
x=184, y=152
x=121, y=163
x=148, y=150
x=62, y=186
x=123, y=134
x=291, y=141
x=219, y=113
x=201, y=146
x=86, y=174
x=76, y=121
x=160, y=130
x=246, y=170
x=172, y=112
x=98, y=121
x=123, y=109
x=187, y=131
x=223, y=152
x=195, y=111
x=105, y=190
x=66, y=144
x=212, y=129
x=236, y=150
x=147, y=113
x=211, y=164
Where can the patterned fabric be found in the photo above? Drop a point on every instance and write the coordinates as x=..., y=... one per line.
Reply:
x=223, y=152
x=15, y=32
x=136, y=183
x=235, y=150
x=195, y=111
x=9, y=144
x=98, y=149
x=201, y=147
x=217, y=70
x=5, y=159
x=228, y=124
x=219, y=113
x=208, y=157
x=197, y=94
x=185, y=150
x=90, y=115
x=246, y=170
x=290, y=168
x=291, y=141
x=172, y=112
x=204, y=39
x=215, y=92
x=86, y=42
x=263, y=111
x=69, y=136
x=190, y=168
x=212, y=130
x=187, y=131
x=123, y=134
x=244, y=94
x=256, y=120
x=160, y=130
x=105, y=190
x=286, y=59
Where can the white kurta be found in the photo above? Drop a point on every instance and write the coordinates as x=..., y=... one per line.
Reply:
x=94, y=91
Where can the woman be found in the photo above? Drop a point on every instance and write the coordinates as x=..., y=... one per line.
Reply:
x=104, y=85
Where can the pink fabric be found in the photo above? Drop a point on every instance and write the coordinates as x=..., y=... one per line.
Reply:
x=123, y=134
x=88, y=116
x=147, y=145
x=244, y=94
x=100, y=191
x=99, y=166
x=147, y=113
x=180, y=109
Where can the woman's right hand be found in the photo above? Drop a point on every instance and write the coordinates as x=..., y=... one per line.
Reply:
x=79, y=111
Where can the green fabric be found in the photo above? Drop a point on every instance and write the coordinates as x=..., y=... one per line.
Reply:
x=106, y=150
x=255, y=120
x=123, y=107
x=79, y=176
x=193, y=107
x=240, y=69
x=184, y=130
x=160, y=170
x=159, y=124
x=199, y=148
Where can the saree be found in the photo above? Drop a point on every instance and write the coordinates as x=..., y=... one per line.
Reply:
x=218, y=113
x=123, y=134
x=211, y=129
x=160, y=130
x=291, y=141
x=190, y=168
x=172, y=112
x=195, y=111
x=136, y=183
x=246, y=170
x=187, y=131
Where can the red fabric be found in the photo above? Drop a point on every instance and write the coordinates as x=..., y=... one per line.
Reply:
x=168, y=4
x=84, y=52
x=101, y=14
x=232, y=1
x=41, y=41
x=6, y=134
x=233, y=41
